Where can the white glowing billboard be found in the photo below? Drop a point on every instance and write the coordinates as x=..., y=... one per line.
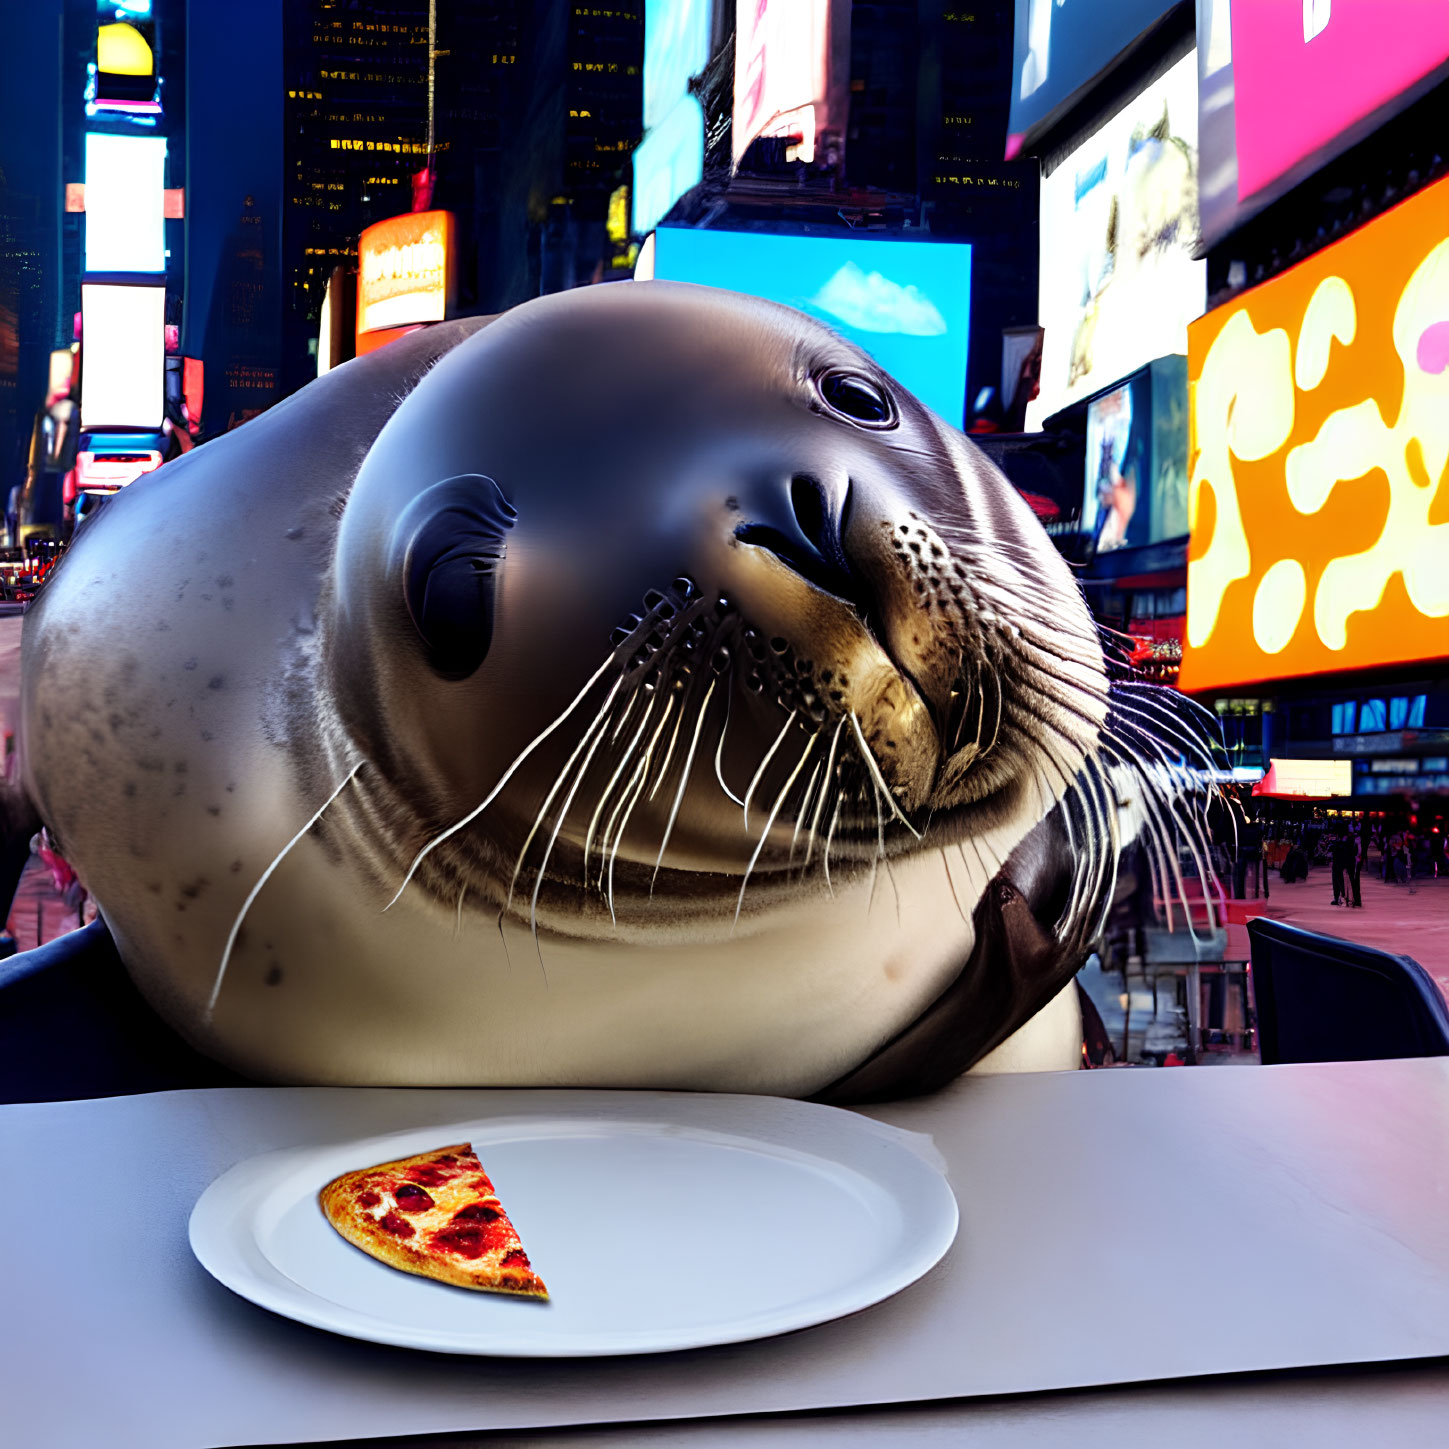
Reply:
x=125, y=203
x=1118, y=227
x=783, y=53
x=123, y=356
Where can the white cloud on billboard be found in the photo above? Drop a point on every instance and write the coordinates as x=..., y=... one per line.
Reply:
x=871, y=302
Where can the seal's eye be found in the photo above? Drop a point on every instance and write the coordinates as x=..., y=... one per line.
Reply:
x=448, y=546
x=857, y=398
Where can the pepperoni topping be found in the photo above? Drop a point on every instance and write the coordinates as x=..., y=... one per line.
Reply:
x=516, y=1259
x=473, y=1239
x=477, y=1212
x=368, y=1198
x=412, y=1199
x=398, y=1226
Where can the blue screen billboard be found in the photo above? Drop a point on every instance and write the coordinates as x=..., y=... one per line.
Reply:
x=1061, y=46
x=906, y=303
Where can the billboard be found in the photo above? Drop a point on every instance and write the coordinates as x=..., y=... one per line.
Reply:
x=670, y=159
x=123, y=75
x=1118, y=227
x=1285, y=89
x=1061, y=46
x=1319, y=408
x=405, y=271
x=906, y=303
x=123, y=356
x=1309, y=779
x=787, y=56
x=125, y=187
x=1136, y=460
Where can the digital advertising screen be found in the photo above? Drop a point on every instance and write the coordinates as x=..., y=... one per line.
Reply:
x=906, y=303
x=1318, y=498
x=670, y=159
x=1061, y=46
x=1286, y=88
x=1118, y=228
x=1136, y=460
x=125, y=212
x=123, y=356
x=787, y=53
x=125, y=65
x=405, y=271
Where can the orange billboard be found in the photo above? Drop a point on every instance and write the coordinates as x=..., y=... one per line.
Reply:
x=1318, y=497
x=405, y=271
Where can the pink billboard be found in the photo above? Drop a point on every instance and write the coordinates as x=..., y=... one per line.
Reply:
x=1303, y=73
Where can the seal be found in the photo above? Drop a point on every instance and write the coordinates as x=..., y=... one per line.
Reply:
x=639, y=689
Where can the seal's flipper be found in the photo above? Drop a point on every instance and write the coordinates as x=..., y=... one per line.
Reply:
x=72, y=1025
x=1015, y=968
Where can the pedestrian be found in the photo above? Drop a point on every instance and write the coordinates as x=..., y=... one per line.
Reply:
x=1340, y=854
x=1359, y=842
x=1436, y=851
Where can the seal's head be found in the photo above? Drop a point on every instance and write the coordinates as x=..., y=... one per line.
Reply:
x=660, y=550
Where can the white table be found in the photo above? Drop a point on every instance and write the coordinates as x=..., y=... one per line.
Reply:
x=1117, y=1227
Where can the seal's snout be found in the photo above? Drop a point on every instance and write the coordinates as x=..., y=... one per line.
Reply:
x=803, y=524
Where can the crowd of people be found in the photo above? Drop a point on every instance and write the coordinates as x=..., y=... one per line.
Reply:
x=1401, y=851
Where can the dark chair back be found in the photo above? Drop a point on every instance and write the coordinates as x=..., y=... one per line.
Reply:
x=1322, y=999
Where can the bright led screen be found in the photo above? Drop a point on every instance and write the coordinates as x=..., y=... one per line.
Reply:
x=667, y=163
x=676, y=48
x=782, y=71
x=125, y=188
x=123, y=356
x=405, y=270
x=1319, y=497
x=1118, y=226
x=1060, y=47
x=908, y=304
x=1300, y=76
x=1136, y=483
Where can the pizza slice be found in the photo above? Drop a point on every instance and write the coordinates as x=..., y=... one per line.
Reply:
x=435, y=1214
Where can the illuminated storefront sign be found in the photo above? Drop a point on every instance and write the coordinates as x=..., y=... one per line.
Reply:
x=123, y=356
x=1118, y=227
x=405, y=271
x=124, y=203
x=1310, y=779
x=906, y=303
x=783, y=73
x=1320, y=436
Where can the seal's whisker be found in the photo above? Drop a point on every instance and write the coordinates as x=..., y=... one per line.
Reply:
x=663, y=770
x=876, y=778
x=805, y=808
x=879, y=855
x=719, y=748
x=552, y=840
x=596, y=731
x=642, y=776
x=683, y=781
x=507, y=775
x=770, y=821
x=613, y=780
x=829, y=836
x=265, y=876
x=825, y=786
x=635, y=782
x=950, y=881
x=764, y=764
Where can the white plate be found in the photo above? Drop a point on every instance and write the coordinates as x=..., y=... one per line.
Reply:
x=673, y=1223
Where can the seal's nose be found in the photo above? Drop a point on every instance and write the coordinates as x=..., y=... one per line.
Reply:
x=802, y=524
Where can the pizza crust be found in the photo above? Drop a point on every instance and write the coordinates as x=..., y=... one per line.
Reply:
x=435, y=1214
